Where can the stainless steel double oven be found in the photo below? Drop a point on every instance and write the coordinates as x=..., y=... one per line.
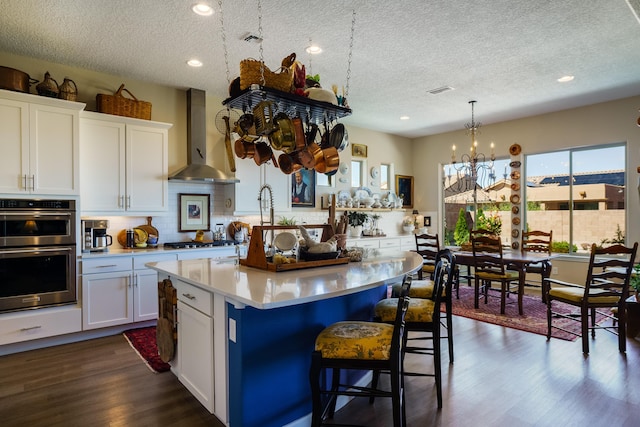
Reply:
x=37, y=253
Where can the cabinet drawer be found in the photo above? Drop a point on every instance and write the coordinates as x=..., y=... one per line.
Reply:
x=197, y=298
x=221, y=252
x=408, y=243
x=389, y=243
x=106, y=265
x=41, y=323
x=368, y=243
x=140, y=260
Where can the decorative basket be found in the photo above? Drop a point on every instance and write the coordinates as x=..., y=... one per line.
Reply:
x=118, y=105
x=251, y=72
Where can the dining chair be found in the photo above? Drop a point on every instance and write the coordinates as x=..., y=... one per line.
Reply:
x=539, y=242
x=423, y=319
x=427, y=246
x=490, y=267
x=606, y=286
x=360, y=345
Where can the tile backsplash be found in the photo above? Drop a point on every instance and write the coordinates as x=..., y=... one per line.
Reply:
x=167, y=223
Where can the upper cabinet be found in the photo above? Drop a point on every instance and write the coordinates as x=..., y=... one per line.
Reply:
x=39, y=138
x=252, y=178
x=124, y=165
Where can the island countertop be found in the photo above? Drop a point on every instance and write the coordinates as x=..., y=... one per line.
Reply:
x=263, y=289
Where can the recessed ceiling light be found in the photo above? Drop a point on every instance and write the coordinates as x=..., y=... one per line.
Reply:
x=404, y=117
x=314, y=49
x=194, y=63
x=565, y=79
x=202, y=9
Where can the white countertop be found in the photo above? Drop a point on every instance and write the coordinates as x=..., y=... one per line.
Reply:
x=265, y=290
x=148, y=251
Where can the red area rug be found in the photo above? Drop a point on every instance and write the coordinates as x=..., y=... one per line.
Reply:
x=143, y=341
x=533, y=320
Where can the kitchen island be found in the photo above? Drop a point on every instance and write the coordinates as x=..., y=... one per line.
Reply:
x=245, y=335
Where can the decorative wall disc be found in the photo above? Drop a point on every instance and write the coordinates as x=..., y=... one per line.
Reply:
x=515, y=149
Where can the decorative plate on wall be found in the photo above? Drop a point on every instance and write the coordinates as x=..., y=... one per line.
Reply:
x=515, y=149
x=515, y=186
x=515, y=245
x=516, y=221
x=515, y=209
x=515, y=175
x=515, y=233
x=515, y=164
x=515, y=199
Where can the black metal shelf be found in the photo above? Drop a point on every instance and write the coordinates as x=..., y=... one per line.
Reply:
x=309, y=110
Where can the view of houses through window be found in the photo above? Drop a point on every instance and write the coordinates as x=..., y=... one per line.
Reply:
x=579, y=194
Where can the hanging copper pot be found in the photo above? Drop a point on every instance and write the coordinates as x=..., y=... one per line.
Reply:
x=244, y=149
x=289, y=162
x=262, y=154
x=329, y=161
x=283, y=138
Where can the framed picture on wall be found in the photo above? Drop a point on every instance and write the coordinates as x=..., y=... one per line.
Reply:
x=404, y=189
x=194, y=212
x=303, y=188
x=358, y=150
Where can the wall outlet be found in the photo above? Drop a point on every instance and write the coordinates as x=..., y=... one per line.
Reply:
x=554, y=271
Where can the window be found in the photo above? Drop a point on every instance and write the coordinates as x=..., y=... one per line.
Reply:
x=579, y=194
x=357, y=167
x=324, y=180
x=385, y=176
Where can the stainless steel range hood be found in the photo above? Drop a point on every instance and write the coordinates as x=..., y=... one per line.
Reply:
x=197, y=169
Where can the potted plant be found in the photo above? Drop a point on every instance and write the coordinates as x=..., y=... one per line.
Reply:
x=356, y=221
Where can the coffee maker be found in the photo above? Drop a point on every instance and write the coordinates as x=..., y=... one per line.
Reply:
x=94, y=235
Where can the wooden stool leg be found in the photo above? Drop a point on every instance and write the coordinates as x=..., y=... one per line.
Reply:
x=314, y=379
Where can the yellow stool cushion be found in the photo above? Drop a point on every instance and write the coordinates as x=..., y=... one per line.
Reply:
x=428, y=268
x=576, y=295
x=356, y=340
x=512, y=275
x=418, y=289
x=420, y=310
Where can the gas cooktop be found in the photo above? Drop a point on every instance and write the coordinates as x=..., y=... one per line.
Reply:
x=194, y=245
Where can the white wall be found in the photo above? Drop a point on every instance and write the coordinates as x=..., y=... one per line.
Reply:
x=603, y=123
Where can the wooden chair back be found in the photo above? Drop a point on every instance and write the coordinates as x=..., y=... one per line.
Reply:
x=427, y=246
x=487, y=253
x=537, y=241
x=610, y=272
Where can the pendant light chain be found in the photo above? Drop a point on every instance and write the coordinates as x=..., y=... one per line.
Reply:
x=353, y=27
x=224, y=42
x=262, y=80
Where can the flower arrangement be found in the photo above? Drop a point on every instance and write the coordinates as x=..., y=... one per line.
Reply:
x=407, y=221
x=492, y=222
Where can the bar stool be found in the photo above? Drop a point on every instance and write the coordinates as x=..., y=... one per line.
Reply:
x=358, y=345
x=423, y=316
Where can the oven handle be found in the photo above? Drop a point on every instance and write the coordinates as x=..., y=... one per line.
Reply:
x=36, y=214
x=32, y=250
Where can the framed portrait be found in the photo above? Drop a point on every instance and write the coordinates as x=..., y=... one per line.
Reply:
x=404, y=189
x=303, y=188
x=427, y=221
x=358, y=150
x=194, y=212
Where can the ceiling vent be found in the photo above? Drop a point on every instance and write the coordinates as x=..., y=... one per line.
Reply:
x=440, y=89
x=251, y=38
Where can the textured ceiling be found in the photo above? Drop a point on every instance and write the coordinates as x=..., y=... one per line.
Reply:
x=506, y=54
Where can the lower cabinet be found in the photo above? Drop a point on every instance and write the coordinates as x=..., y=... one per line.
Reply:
x=119, y=290
x=42, y=323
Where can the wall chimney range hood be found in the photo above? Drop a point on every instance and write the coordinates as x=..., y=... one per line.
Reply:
x=197, y=169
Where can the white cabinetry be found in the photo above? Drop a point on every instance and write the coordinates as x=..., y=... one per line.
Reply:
x=119, y=290
x=252, y=177
x=124, y=164
x=220, y=252
x=39, y=137
x=194, y=358
x=44, y=322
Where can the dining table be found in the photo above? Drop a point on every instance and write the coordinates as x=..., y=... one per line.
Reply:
x=515, y=260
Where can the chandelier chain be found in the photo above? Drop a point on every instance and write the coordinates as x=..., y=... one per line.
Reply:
x=353, y=27
x=262, y=81
x=224, y=41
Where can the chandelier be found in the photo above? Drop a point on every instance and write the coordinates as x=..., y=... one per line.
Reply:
x=474, y=172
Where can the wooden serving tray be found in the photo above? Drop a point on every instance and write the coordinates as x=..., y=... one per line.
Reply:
x=257, y=258
x=298, y=265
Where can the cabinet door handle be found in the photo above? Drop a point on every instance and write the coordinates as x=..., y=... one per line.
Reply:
x=24, y=182
x=128, y=202
x=33, y=183
x=106, y=266
x=121, y=202
x=189, y=296
x=30, y=328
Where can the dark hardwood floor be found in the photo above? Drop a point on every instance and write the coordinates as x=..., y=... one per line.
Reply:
x=501, y=377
